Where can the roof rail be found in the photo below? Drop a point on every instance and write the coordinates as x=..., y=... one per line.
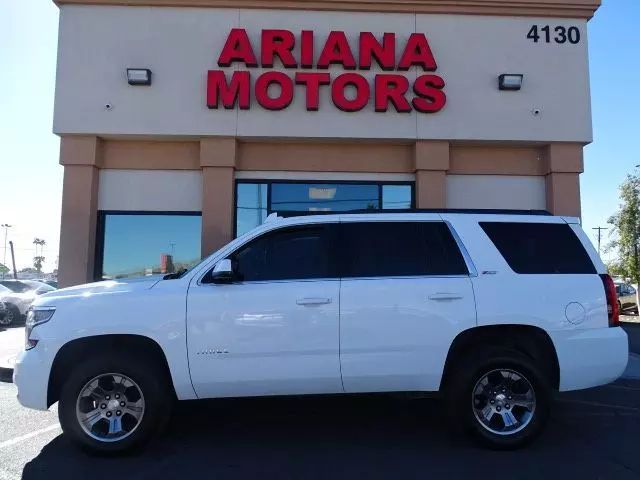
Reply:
x=418, y=210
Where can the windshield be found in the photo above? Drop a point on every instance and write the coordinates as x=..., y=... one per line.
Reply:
x=15, y=286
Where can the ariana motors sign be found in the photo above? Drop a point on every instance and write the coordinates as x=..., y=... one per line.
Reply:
x=350, y=91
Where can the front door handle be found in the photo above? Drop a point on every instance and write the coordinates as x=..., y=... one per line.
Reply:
x=445, y=296
x=313, y=301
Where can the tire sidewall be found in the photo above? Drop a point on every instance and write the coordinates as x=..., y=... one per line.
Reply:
x=157, y=398
x=463, y=395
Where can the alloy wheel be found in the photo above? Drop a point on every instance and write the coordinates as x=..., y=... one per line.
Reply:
x=503, y=401
x=9, y=317
x=110, y=407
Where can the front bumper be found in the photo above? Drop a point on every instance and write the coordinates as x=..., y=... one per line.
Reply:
x=31, y=376
x=589, y=358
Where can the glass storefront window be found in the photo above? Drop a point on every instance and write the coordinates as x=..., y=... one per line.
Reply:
x=323, y=197
x=396, y=197
x=251, y=206
x=134, y=245
x=256, y=200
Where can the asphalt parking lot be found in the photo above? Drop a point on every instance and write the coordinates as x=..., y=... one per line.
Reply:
x=592, y=434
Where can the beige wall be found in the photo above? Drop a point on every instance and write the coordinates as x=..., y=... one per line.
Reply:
x=214, y=161
x=180, y=45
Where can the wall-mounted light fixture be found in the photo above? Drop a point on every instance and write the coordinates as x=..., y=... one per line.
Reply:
x=139, y=76
x=510, y=81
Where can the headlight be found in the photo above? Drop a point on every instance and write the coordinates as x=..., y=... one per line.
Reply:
x=36, y=316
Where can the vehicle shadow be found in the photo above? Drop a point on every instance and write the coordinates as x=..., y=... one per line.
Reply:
x=328, y=437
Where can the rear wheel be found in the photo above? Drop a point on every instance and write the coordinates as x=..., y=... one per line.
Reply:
x=501, y=398
x=114, y=403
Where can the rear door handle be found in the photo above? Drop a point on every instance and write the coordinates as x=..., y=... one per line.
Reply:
x=445, y=296
x=313, y=301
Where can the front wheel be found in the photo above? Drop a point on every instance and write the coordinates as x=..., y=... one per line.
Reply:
x=114, y=403
x=502, y=399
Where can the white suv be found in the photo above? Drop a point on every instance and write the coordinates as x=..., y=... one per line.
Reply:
x=496, y=311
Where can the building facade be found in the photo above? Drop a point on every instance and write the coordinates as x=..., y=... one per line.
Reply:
x=237, y=109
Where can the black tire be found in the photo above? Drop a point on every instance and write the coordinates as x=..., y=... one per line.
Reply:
x=12, y=316
x=155, y=387
x=471, y=370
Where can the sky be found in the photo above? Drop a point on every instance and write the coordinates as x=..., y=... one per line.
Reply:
x=31, y=178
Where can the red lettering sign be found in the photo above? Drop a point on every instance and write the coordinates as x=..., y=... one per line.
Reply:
x=238, y=89
x=312, y=81
x=336, y=50
x=283, y=100
x=237, y=48
x=350, y=92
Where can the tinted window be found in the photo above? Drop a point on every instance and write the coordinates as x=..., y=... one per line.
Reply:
x=539, y=248
x=286, y=254
x=387, y=249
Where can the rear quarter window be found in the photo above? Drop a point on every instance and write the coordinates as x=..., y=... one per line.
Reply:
x=539, y=248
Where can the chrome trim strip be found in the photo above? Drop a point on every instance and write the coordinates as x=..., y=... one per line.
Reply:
x=473, y=272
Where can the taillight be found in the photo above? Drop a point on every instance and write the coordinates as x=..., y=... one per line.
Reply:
x=612, y=300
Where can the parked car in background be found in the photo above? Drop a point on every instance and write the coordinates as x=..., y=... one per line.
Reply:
x=18, y=295
x=627, y=297
x=3, y=314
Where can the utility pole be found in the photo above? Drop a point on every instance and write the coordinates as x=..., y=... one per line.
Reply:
x=6, y=227
x=599, y=229
x=13, y=260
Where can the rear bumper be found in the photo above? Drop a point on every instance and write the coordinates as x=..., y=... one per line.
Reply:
x=589, y=358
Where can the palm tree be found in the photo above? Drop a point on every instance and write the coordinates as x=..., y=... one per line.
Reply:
x=38, y=260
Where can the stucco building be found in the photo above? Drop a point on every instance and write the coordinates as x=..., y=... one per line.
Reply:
x=237, y=109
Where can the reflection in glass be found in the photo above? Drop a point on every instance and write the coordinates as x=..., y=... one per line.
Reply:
x=138, y=245
x=251, y=206
x=396, y=197
x=255, y=201
x=306, y=197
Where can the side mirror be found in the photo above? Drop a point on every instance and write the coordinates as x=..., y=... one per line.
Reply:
x=222, y=272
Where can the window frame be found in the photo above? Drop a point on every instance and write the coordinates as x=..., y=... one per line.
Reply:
x=269, y=183
x=98, y=262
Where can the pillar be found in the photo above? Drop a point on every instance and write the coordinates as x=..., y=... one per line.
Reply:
x=564, y=163
x=80, y=156
x=217, y=160
x=431, y=163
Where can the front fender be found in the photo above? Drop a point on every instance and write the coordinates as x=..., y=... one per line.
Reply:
x=158, y=313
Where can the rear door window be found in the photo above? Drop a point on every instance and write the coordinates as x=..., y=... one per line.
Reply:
x=399, y=249
x=539, y=248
